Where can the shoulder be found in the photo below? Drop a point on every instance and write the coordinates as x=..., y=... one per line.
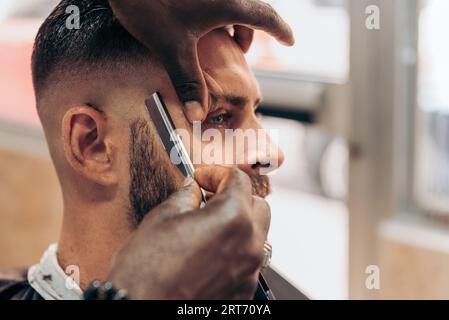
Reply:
x=14, y=286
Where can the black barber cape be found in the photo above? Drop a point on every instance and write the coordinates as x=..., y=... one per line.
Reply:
x=15, y=286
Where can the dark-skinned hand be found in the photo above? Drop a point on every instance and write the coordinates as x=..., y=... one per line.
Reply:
x=171, y=30
x=182, y=252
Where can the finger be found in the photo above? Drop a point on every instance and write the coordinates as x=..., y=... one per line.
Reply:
x=259, y=15
x=262, y=215
x=209, y=195
x=219, y=179
x=184, y=200
x=183, y=67
x=244, y=37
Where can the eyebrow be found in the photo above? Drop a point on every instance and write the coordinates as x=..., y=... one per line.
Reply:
x=234, y=100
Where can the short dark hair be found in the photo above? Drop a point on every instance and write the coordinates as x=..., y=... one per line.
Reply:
x=100, y=41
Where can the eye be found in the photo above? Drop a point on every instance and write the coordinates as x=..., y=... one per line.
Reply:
x=219, y=120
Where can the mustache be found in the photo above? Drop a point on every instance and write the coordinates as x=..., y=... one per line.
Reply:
x=261, y=185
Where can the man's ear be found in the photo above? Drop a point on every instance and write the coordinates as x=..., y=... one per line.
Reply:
x=86, y=147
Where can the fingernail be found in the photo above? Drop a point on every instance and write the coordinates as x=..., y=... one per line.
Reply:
x=194, y=111
x=188, y=181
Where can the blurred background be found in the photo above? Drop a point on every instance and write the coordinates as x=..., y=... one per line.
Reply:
x=363, y=118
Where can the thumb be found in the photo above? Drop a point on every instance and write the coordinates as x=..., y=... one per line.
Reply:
x=183, y=67
x=186, y=199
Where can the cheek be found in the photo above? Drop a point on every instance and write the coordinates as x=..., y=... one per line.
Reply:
x=214, y=147
x=207, y=147
x=217, y=147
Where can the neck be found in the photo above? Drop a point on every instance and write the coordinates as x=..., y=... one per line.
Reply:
x=90, y=238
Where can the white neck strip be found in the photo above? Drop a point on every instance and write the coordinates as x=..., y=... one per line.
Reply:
x=50, y=281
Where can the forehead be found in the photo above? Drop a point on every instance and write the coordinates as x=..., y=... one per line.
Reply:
x=222, y=59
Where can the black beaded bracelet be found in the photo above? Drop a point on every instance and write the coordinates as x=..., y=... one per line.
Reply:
x=105, y=291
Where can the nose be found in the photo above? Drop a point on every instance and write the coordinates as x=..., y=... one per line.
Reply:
x=262, y=158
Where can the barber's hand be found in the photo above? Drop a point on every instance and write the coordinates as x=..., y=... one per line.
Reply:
x=171, y=30
x=182, y=252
